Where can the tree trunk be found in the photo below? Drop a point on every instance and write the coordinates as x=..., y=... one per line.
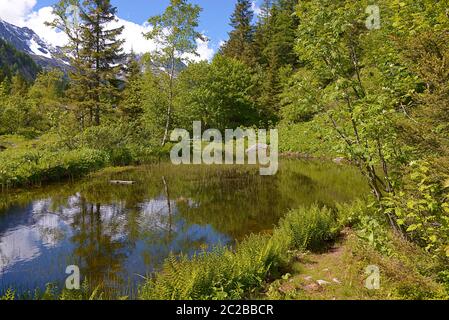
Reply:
x=171, y=96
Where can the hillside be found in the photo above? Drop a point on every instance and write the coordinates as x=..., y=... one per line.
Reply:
x=13, y=61
x=27, y=41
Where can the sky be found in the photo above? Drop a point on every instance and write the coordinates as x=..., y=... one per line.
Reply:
x=133, y=14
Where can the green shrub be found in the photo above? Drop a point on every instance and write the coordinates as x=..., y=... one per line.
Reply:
x=31, y=167
x=9, y=295
x=308, y=229
x=306, y=138
x=421, y=208
x=220, y=274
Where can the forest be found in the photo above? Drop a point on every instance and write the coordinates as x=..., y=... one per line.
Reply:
x=340, y=81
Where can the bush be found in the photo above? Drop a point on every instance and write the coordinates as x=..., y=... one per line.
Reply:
x=421, y=208
x=308, y=229
x=220, y=274
x=307, y=138
x=9, y=295
x=31, y=167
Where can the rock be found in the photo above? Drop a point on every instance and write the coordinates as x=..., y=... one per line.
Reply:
x=336, y=281
x=287, y=288
x=122, y=182
x=313, y=287
x=339, y=160
x=308, y=278
x=322, y=282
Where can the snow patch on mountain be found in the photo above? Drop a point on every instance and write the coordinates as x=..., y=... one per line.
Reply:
x=38, y=50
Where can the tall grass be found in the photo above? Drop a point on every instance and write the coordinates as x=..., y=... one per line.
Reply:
x=227, y=273
x=31, y=167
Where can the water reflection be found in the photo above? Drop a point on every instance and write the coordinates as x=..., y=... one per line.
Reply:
x=113, y=245
x=117, y=234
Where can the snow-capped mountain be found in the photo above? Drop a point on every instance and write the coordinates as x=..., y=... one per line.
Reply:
x=26, y=40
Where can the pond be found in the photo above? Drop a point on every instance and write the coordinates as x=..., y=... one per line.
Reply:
x=118, y=234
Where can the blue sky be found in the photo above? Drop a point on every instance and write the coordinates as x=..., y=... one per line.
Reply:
x=133, y=15
x=214, y=20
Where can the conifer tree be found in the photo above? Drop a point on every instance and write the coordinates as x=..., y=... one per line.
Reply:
x=101, y=53
x=274, y=39
x=132, y=96
x=240, y=43
x=95, y=52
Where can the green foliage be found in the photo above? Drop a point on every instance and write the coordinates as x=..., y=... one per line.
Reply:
x=18, y=113
x=9, y=295
x=239, y=46
x=220, y=274
x=218, y=94
x=296, y=104
x=422, y=209
x=95, y=52
x=308, y=138
x=443, y=277
x=175, y=32
x=308, y=229
x=377, y=97
x=53, y=293
x=31, y=167
x=131, y=107
x=374, y=231
x=14, y=62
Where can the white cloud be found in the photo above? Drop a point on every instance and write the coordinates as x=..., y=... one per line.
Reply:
x=204, y=52
x=13, y=11
x=21, y=13
x=36, y=21
x=133, y=36
x=257, y=10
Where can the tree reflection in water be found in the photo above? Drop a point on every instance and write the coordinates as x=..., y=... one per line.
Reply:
x=117, y=234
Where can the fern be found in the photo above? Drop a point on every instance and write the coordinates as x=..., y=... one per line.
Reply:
x=9, y=295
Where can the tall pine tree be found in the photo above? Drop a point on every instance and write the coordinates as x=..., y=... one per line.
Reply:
x=95, y=51
x=274, y=40
x=102, y=55
x=240, y=43
x=131, y=104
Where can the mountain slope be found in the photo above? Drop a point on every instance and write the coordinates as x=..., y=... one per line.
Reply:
x=13, y=61
x=27, y=41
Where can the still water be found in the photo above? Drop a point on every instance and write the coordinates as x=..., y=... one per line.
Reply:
x=117, y=234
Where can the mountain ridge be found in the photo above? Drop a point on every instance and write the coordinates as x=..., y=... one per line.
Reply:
x=27, y=41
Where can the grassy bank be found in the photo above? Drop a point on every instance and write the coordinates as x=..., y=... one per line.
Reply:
x=273, y=266
x=30, y=168
x=341, y=273
x=307, y=139
x=27, y=162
